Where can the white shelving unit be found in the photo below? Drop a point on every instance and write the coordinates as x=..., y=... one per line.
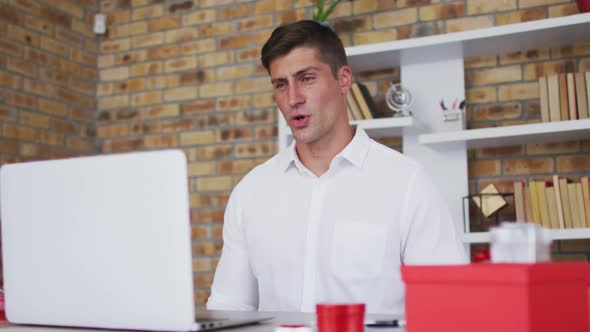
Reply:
x=432, y=69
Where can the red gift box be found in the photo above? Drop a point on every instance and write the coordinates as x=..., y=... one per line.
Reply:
x=497, y=297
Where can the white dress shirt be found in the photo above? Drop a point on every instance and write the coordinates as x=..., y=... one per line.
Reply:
x=293, y=239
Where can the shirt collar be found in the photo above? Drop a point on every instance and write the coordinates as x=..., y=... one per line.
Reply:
x=355, y=152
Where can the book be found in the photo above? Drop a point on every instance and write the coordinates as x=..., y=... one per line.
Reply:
x=565, y=202
x=519, y=201
x=580, y=205
x=372, y=107
x=587, y=75
x=563, y=102
x=551, y=207
x=544, y=99
x=536, y=216
x=553, y=97
x=361, y=101
x=585, y=181
x=571, y=96
x=581, y=97
x=349, y=111
x=559, y=206
x=527, y=204
x=491, y=200
x=540, y=187
x=573, y=202
x=354, y=108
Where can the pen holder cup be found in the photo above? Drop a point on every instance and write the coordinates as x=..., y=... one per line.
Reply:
x=454, y=120
x=345, y=317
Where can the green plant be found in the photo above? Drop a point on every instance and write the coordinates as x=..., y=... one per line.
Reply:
x=320, y=13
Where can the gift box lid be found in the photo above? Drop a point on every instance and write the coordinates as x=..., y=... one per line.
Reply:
x=497, y=273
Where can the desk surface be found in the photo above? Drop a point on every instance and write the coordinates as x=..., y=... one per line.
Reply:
x=267, y=326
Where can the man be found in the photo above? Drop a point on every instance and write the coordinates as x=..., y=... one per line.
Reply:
x=332, y=218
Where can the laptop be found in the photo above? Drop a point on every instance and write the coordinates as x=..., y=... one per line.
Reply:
x=101, y=241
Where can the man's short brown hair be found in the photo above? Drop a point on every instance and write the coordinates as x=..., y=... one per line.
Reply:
x=305, y=33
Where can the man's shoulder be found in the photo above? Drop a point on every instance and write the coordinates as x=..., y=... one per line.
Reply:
x=386, y=155
x=262, y=173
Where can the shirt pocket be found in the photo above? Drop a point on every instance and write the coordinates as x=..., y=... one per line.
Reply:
x=357, y=250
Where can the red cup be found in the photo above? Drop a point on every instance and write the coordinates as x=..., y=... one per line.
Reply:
x=340, y=317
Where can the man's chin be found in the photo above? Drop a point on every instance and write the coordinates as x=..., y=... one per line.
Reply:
x=302, y=137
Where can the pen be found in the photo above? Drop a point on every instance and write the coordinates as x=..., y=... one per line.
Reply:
x=385, y=323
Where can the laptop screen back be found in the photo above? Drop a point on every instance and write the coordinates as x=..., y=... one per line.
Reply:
x=99, y=241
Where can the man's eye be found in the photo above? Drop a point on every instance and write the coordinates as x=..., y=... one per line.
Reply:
x=308, y=79
x=280, y=86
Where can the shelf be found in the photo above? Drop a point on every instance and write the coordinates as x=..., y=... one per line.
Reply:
x=385, y=127
x=512, y=135
x=556, y=234
x=496, y=40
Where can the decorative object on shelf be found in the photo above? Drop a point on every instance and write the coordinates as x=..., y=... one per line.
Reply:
x=454, y=115
x=489, y=200
x=481, y=211
x=519, y=242
x=399, y=99
x=320, y=13
x=583, y=5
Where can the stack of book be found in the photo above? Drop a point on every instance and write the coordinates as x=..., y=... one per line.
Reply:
x=560, y=203
x=564, y=96
x=360, y=104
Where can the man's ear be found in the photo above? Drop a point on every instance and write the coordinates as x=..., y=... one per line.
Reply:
x=345, y=78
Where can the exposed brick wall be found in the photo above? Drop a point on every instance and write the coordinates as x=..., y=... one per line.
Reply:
x=47, y=79
x=186, y=73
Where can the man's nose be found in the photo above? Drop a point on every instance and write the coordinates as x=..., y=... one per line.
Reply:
x=295, y=95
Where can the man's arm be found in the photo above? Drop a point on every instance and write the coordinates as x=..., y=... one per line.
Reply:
x=234, y=286
x=429, y=234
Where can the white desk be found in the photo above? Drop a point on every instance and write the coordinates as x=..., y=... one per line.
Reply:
x=267, y=326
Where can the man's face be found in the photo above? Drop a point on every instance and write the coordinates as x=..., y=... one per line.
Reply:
x=310, y=98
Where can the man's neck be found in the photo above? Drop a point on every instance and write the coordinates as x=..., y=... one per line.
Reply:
x=318, y=156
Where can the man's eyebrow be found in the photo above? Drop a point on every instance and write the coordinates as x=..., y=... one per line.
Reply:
x=297, y=73
x=277, y=80
x=305, y=70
